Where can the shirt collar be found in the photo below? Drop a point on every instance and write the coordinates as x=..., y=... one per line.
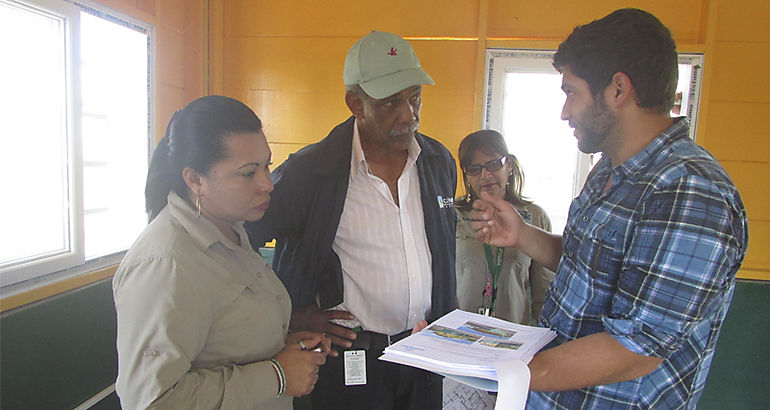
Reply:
x=358, y=165
x=202, y=231
x=679, y=129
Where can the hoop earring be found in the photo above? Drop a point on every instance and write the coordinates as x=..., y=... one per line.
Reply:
x=198, y=205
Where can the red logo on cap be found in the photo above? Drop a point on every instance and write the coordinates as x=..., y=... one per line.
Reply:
x=393, y=52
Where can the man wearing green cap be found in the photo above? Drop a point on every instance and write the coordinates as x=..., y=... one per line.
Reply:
x=365, y=231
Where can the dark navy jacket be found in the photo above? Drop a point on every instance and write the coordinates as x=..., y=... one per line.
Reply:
x=306, y=206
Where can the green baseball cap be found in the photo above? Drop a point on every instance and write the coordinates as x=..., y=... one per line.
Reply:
x=383, y=64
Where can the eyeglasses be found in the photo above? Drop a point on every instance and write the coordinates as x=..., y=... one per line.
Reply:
x=491, y=166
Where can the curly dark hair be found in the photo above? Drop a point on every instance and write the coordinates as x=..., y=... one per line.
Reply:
x=630, y=41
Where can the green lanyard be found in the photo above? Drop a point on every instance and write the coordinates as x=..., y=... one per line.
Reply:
x=495, y=264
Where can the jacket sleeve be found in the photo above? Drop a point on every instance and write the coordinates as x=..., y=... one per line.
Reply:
x=161, y=332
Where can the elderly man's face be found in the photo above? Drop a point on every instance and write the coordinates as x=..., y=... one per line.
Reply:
x=390, y=124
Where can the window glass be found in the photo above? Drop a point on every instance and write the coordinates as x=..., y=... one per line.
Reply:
x=76, y=135
x=115, y=138
x=524, y=102
x=34, y=155
x=543, y=143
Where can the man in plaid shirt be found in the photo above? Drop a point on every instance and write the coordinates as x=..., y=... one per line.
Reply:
x=647, y=261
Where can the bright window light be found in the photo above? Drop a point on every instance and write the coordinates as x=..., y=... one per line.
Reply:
x=75, y=137
x=115, y=142
x=34, y=212
x=544, y=145
x=524, y=103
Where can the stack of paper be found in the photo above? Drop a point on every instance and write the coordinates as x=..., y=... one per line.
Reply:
x=467, y=346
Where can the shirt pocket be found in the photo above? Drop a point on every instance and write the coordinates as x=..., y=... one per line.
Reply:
x=604, y=256
x=471, y=273
x=248, y=327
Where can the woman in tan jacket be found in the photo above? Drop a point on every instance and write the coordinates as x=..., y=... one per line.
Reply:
x=202, y=319
x=503, y=282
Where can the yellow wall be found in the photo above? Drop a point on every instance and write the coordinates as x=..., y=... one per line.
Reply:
x=736, y=128
x=285, y=60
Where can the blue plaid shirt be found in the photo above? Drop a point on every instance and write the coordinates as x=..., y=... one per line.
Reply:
x=652, y=262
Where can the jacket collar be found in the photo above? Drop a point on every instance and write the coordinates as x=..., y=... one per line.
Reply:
x=202, y=231
x=335, y=150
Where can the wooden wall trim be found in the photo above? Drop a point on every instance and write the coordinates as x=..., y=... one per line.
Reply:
x=52, y=289
x=481, y=59
x=215, y=35
x=701, y=136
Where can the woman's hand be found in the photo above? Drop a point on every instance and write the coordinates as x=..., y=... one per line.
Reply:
x=310, y=341
x=300, y=364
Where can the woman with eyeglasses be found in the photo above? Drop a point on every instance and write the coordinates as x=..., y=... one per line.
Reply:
x=502, y=282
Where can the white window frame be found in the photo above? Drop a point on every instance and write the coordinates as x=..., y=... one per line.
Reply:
x=503, y=61
x=20, y=275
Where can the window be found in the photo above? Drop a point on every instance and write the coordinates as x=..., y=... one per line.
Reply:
x=76, y=135
x=524, y=102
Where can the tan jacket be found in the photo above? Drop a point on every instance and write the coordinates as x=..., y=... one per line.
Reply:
x=198, y=317
x=522, y=283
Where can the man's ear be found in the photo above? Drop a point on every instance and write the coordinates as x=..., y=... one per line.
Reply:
x=355, y=104
x=622, y=90
x=192, y=179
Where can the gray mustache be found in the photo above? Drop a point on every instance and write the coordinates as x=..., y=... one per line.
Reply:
x=406, y=130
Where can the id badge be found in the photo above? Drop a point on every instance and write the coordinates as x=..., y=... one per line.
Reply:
x=355, y=367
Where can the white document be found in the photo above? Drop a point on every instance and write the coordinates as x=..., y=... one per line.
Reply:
x=467, y=346
x=514, y=377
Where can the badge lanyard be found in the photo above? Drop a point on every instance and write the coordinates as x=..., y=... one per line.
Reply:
x=490, y=290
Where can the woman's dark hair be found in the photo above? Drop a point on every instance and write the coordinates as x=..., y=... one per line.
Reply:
x=491, y=143
x=194, y=139
x=629, y=41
